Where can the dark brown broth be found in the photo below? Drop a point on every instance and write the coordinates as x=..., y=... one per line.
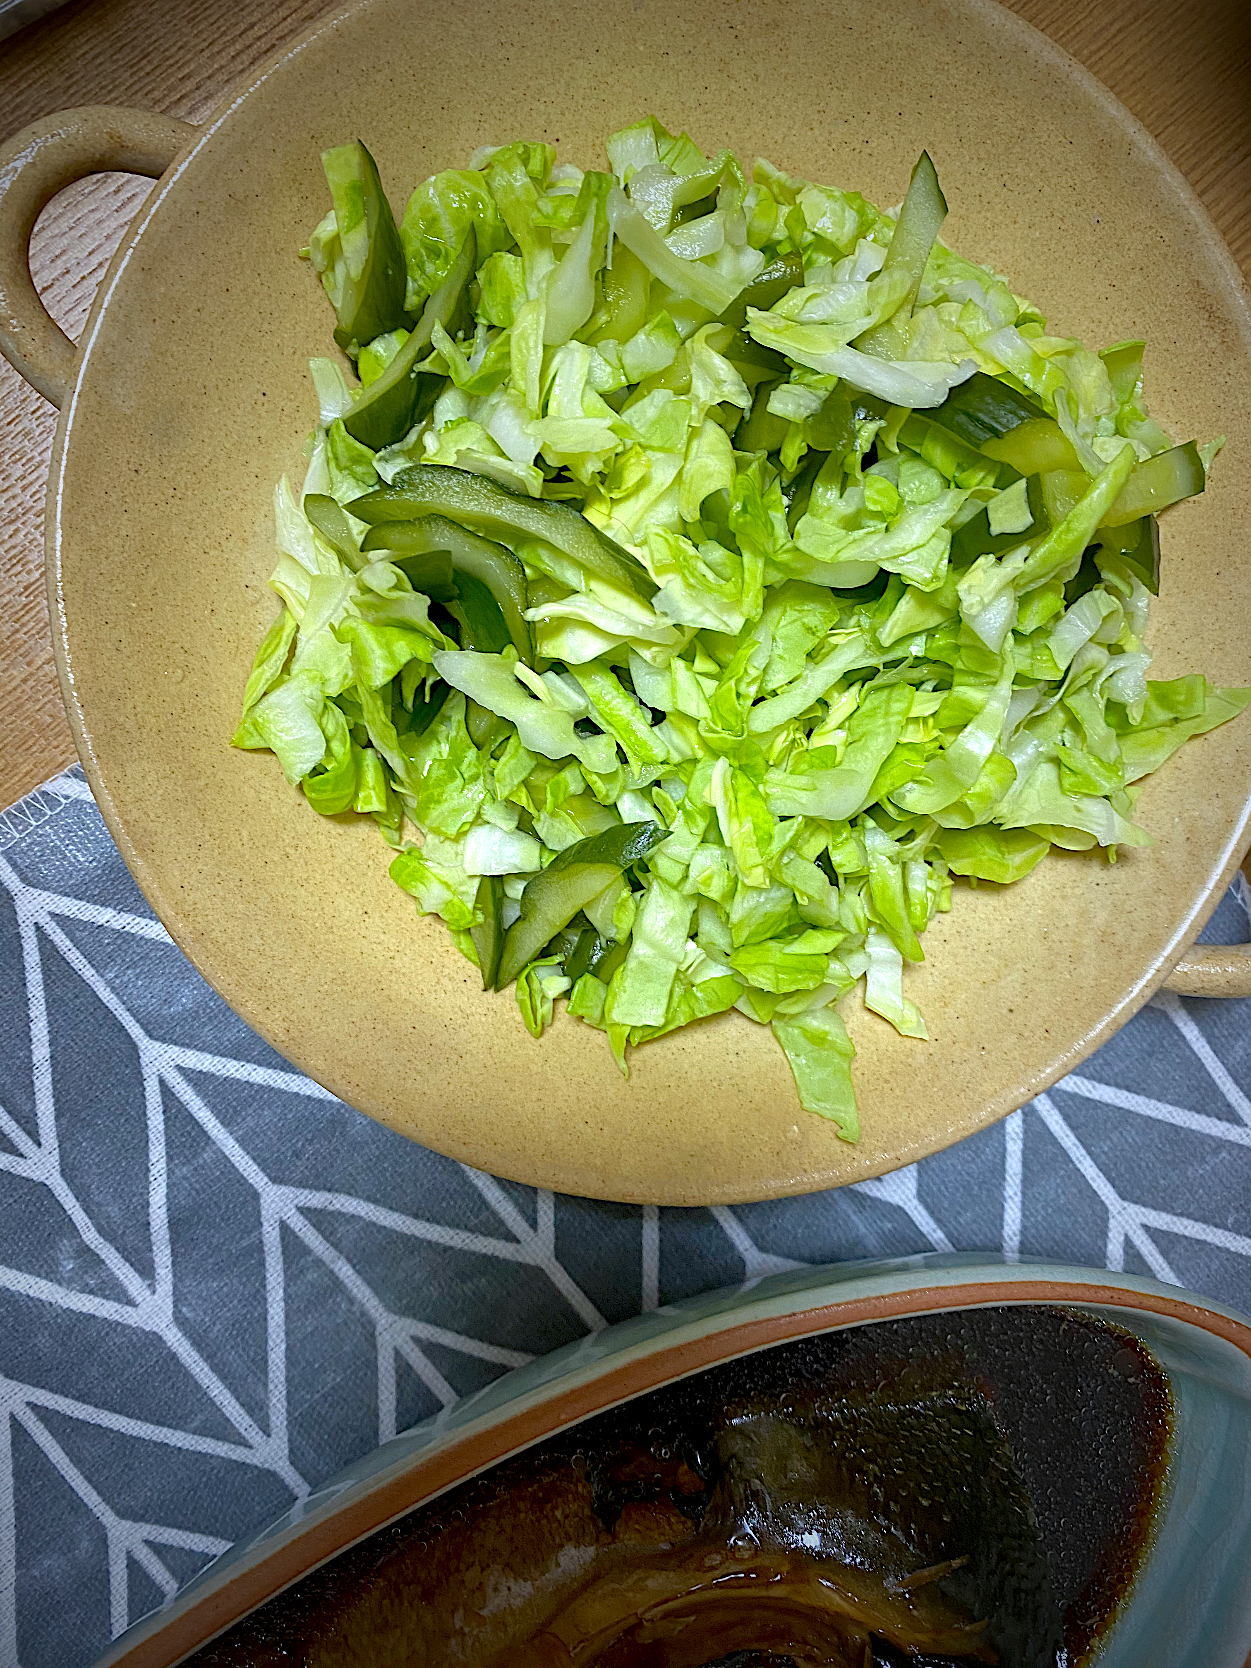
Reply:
x=1027, y=1443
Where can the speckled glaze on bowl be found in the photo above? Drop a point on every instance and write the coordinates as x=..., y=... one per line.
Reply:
x=191, y=396
x=1190, y=1606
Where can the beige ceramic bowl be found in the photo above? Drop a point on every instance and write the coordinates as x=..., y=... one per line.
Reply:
x=188, y=396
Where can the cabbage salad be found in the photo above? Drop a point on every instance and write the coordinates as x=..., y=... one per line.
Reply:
x=698, y=570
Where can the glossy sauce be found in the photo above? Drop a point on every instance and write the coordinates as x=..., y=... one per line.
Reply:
x=941, y=1490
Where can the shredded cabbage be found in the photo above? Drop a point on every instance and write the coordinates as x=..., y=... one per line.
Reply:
x=854, y=604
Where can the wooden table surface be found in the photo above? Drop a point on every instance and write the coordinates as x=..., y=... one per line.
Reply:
x=1181, y=66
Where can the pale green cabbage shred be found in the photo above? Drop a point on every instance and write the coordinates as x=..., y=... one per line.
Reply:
x=830, y=712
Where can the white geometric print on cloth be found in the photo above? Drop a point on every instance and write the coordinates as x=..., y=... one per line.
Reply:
x=218, y=1285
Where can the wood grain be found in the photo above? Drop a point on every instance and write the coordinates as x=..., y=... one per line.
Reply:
x=1181, y=66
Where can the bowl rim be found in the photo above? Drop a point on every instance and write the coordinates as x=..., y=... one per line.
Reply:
x=589, y=1377
x=561, y=1175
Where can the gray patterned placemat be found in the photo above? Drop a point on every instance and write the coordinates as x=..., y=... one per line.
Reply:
x=218, y=1284
x=16, y=14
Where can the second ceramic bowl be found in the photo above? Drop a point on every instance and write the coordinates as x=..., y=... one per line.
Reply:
x=1189, y=1608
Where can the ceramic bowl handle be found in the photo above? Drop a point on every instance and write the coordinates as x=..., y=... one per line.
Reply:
x=1212, y=970
x=37, y=163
